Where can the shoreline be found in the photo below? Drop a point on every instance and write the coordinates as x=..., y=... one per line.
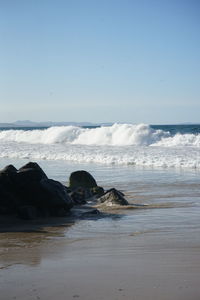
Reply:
x=10, y=223
x=146, y=266
x=130, y=254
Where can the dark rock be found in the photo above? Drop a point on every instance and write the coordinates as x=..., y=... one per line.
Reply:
x=94, y=211
x=30, y=172
x=113, y=197
x=97, y=191
x=27, y=212
x=8, y=169
x=8, y=202
x=59, y=212
x=26, y=184
x=56, y=194
x=35, y=166
x=7, y=176
x=79, y=195
x=29, y=193
x=81, y=179
x=85, y=211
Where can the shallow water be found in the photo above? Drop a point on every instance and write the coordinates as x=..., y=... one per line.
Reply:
x=171, y=200
x=149, y=252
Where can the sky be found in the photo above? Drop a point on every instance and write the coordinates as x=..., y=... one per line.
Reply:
x=132, y=61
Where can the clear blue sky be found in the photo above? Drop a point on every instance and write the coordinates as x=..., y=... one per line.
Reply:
x=100, y=61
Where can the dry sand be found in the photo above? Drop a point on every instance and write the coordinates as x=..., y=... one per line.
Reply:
x=45, y=264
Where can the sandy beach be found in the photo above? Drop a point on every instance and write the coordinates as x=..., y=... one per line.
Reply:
x=100, y=150
x=152, y=252
x=48, y=264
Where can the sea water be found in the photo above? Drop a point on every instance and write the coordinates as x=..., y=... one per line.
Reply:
x=157, y=167
x=119, y=144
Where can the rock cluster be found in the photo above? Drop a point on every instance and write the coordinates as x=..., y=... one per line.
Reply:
x=29, y=193
x=83, y=186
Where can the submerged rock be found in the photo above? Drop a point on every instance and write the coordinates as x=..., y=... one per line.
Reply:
x=113, y=197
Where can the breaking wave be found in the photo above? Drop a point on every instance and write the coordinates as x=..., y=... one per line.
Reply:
x=115, y=135
x=126, y=144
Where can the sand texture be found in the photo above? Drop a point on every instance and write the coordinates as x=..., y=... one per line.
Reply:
x=43, y=262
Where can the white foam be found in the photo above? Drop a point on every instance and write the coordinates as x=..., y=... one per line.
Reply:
x=62, y=134
x=118, y=144
x=115, y=135
x=191, y=140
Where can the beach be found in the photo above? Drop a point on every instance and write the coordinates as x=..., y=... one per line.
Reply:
x=48, y=265
x=100, y=150
x=149, y=252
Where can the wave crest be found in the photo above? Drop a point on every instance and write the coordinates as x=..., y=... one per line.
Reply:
x=115, y=135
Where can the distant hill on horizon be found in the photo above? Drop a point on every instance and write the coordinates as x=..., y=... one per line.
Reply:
x=28, y=123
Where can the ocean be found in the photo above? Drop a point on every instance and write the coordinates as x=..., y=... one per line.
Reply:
x=165, y=146
x=154, y=165
x=149, y=252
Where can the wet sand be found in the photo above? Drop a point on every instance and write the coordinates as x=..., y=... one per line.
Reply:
x=155, y=256
x=47, y=264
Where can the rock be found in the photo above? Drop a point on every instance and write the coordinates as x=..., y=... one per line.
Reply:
x=30, y=172
x=7, y=176
x=26, y=184
x=113, y=197
x=59, y=212
x=79, y=195
x=85, y=211
x=83, y=186
x=81, y=179
x=56, y=194
x=36, y=167
x=27, y=212
x=29, y=193
x=8, y=200
x=97, y=191
x=8, y=169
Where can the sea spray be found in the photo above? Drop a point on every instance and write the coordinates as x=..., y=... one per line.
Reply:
x=115, y=135
x=120, y=144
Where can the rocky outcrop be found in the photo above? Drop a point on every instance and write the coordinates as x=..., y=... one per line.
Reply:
x=113, y=197
x=83, y=186
x=8, y=198
x=29, y=193
x=56, y=194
